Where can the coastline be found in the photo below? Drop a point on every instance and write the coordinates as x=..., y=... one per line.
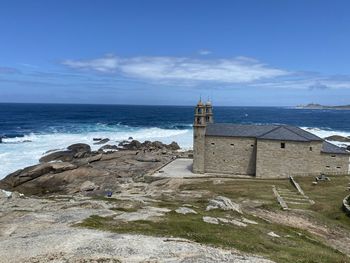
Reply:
x=20, y=152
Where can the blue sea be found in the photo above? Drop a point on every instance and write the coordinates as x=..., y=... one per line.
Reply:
x=32, y=129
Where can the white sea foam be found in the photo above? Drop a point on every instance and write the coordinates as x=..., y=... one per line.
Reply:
x=20, y=152
x=322, y=133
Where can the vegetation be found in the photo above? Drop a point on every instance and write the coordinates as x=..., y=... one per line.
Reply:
x=293, y=245
x=328, y=197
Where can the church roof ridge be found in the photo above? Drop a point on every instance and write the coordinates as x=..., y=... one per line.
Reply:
x=271, y=132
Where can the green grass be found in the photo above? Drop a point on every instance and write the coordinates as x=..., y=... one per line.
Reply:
x=294, y=245
x=328, y=197
x=244, y=189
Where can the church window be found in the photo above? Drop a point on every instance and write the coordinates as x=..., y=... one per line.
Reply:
x=310, y=149
x=232, y=144
x=338, y=167
x=332, y=156
x=252, y=145
x=327, y=166
x=213, y=143
x=283, y=145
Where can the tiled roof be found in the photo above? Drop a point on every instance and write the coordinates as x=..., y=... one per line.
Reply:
x=269, y=132
x=331, y=148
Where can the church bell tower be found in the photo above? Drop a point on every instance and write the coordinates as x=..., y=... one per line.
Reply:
x=203, y=114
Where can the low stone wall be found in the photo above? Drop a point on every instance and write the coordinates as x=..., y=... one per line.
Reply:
x=346, y=205
x=296, y=185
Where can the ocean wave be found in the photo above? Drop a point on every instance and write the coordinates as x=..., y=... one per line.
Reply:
x=20, y=152
x=325, y=132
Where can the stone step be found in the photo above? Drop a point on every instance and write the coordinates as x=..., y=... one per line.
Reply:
x=289, y=194
x=284, y=190
x=296, y=203
x=295, y=199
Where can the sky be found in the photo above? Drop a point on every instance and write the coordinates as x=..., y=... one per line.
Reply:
x=167, y=52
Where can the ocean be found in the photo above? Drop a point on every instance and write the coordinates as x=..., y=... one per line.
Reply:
x=32, y=129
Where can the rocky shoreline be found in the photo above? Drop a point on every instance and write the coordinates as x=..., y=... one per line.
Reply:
x=79, y=169
x=43, y=204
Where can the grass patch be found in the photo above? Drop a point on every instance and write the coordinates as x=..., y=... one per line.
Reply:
x=293, y=245
x=328, y=197
x=243, y=189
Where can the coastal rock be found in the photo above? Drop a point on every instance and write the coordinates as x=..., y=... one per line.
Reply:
x=337, y=138
x=3, y=194
x=16, y=195
x=88, y=160
x=108, y=147
x=78, y=150
x=158, y=144
x=107, y=170
x=79, y=147
x=88, y=186
x=224, y=203
x=173, y=146
x=64, y=156
x=103, y=141
x=23, y=175
x=133, y=145
x=147, y=158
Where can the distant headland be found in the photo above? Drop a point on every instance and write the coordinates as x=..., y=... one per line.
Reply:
x=315, y=106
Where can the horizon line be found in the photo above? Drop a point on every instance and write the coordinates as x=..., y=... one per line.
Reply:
x=161, y=105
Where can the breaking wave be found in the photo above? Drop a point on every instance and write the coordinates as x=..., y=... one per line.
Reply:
x=22, y=151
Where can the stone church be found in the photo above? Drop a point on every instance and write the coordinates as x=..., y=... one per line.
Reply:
x=265, y=151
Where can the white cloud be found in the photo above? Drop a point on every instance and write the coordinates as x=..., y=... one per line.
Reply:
x=306, y=82
x=106, y=64
x=204, y=52
x=236, y=70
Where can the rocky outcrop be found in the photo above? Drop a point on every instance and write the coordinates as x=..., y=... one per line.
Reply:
x=102, y=141
x=223, y=203
x=148, y=145
x=173, y=146
x=65, y=171
x=30, y=173
x=79, y=147
x=185, y=211
x=74, y=151
x=108, y=147
x=88, y=186
x=346, y=205
x=337, y=138
x=64, y=156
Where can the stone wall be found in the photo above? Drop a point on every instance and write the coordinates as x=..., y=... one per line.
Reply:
x=334, y=163
x=263, y=158
x=230, y=155
x=296, y=158
x=346, y=205
x=198, y=149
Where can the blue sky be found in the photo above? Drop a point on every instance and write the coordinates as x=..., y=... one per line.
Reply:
x=263, y=53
